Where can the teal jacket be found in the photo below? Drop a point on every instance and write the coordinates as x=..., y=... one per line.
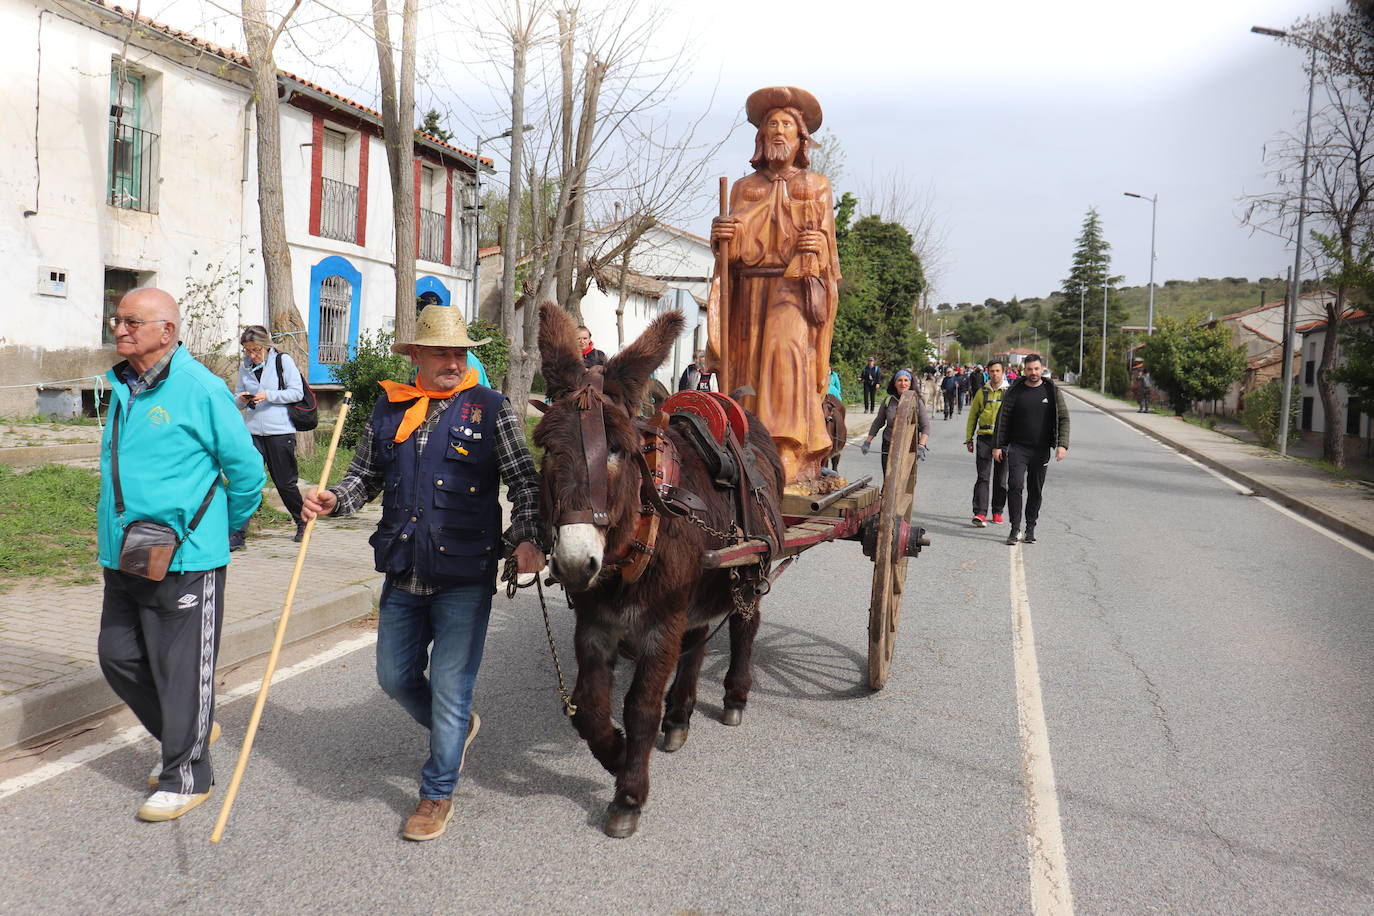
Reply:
x=174, y=439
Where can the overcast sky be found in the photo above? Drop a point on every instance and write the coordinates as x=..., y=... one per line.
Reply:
x=1014, y=117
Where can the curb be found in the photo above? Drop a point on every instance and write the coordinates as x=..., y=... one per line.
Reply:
x=62, y=703
x=26, y=455
x=1309, y=511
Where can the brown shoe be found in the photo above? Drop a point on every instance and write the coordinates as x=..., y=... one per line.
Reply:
x=429, y=820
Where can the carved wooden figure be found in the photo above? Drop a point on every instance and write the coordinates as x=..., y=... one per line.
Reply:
x=781, y=273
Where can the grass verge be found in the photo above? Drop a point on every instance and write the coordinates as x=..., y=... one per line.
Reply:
x=47, y=524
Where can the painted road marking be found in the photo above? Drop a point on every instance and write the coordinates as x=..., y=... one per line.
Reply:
x=136, y=733
x=1049, y=868
x=1242, y=488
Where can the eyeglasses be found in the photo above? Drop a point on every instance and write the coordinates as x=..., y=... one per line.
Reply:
x=133, y=324
x=254, y=350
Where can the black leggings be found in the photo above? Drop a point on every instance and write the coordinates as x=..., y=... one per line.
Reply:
x=280, y=454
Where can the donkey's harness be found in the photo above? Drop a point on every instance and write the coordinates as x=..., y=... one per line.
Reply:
x=716, y=427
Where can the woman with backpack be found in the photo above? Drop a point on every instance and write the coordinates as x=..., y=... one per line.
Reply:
x=268, y=382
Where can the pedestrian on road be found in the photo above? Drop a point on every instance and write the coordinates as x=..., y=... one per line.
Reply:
x=1032, y=424
x=887, y=418
x=949, y=387
x=982, y=422
x=1142, y=394
x=871, y=376
x=590, y=355
x=268, y=381
x=174, y=434
x=696, y=377
x=834, y=386
x=436, y=449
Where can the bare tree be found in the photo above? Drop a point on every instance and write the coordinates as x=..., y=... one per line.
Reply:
x=282, y=317
x=1340, y=171
x=896, y=198
x=398, y=120
x=596, y=95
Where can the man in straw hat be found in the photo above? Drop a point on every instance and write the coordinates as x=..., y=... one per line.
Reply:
x=436, y=448
x=784, y=272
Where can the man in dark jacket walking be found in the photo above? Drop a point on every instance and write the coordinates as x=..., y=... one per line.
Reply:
x=1032, y=423
x=871, y=375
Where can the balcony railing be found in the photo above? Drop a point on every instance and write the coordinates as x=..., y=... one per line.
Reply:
x=431, y=236
x=133, y=167
x=338, y=210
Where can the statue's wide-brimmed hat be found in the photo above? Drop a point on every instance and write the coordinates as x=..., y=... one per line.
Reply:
x=439, y=326
x=771, y=98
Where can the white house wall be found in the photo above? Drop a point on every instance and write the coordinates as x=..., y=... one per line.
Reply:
x=199, y=120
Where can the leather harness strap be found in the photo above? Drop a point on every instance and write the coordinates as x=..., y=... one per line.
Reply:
x=591, y=413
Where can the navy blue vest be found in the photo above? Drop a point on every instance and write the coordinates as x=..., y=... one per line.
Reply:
x=440, y=514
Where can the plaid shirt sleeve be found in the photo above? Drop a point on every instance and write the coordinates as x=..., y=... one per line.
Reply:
x=517, y=470
x=363, y=481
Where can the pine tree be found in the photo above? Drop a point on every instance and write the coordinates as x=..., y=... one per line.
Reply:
x=1090, y=272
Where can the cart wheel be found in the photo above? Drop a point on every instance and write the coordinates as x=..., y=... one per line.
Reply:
x=889, y=563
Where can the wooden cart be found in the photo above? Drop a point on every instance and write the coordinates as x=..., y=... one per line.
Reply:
x=880, y=521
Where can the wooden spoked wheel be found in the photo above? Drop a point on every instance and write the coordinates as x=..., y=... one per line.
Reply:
x=889, y=567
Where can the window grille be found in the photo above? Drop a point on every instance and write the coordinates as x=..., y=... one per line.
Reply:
x=338, y=210
x=336, y=299
x=431, y=236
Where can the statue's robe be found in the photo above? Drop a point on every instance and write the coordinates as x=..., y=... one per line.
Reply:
x=781, y=311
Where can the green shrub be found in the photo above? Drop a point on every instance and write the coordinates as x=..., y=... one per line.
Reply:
x=1262, y=409
x=372, y=362
x=495, y=356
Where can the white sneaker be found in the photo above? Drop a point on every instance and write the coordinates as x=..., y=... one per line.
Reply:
x=155, y=775
x=168, y=806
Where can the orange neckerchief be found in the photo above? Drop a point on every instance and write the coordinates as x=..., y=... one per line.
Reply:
x=415, y=415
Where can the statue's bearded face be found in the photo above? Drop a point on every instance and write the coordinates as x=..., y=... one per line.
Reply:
x=780, y=137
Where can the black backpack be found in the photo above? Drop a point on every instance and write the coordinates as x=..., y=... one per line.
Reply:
x=304, y=415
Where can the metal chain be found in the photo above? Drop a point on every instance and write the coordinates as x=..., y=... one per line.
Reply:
x=511, y=575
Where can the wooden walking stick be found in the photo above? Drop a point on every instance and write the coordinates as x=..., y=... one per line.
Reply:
x=723, y=301
x=281, y=633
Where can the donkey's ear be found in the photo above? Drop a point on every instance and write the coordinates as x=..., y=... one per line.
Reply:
x=562, y=363
x=628, y=371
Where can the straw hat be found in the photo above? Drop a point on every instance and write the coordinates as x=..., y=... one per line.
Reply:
x=771, y=98
x=439, y=326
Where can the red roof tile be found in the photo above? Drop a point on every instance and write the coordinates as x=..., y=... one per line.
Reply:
x=238, y=57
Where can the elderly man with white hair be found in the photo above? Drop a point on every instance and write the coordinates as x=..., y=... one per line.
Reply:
x=178, y=472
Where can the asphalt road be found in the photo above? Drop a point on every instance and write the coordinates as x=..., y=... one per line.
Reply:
x=1204, y=661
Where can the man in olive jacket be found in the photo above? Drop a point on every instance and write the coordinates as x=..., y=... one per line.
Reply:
x=1032, y=423
x=982, y=420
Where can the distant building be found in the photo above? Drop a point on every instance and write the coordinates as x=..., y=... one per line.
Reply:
x=1260, y=331
x=1312, y=423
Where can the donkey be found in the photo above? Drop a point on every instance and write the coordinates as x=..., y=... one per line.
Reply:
x=660, y=619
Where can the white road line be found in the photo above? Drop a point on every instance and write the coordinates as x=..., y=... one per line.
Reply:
x=1242, y=488
x=1049, y=868
x=136, y=733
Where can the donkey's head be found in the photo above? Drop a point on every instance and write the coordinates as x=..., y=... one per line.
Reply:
x=589, y=479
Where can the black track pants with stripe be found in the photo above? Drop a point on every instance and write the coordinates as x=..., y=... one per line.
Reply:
x=158, y=644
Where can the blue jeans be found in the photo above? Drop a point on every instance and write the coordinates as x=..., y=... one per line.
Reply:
x=454, y=620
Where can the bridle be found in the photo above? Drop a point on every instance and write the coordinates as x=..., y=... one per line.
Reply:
x=656, y=463
x=591, y=401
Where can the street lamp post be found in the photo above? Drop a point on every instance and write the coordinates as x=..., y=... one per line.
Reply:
x=1286, y=402
x=1154, y=206
x=477, y=211
x=1082, y=295
x=1036, y=345
x=1102, y=383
